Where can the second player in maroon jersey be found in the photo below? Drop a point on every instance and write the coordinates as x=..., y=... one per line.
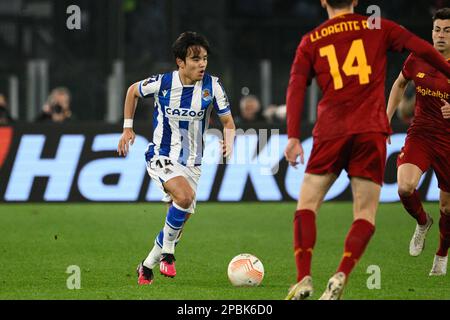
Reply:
x=427, y=143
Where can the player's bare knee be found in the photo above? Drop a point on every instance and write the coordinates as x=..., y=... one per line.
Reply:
x=406, y=188
x=309, y=203
x=185, y=199
x=184, y=202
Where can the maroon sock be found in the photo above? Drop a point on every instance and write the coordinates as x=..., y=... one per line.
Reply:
x=304, y=241
x=414, y=207
x=357, y=239
x=444, y=235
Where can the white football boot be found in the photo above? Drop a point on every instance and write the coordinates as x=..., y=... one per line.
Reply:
x=335, y=287
x=439, y=267
x=301, y=290
x=417, y=242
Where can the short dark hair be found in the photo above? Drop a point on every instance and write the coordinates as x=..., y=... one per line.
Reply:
x=189, y=39
x=442, y=14
x=339, y=4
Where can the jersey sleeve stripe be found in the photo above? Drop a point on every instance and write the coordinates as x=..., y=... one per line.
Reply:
x=224, y=111
x=140, y=89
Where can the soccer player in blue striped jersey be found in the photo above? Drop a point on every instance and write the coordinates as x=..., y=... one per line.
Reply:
x=184, y=100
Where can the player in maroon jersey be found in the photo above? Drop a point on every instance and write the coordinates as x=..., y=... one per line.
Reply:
x=348, y=58
x=427, y=142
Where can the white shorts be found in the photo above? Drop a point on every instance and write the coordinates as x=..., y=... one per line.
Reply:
x=161, y=169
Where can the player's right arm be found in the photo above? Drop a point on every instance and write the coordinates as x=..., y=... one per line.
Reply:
x=301, y=72
x=128, y=134
x=142, y=89
x=396, y=95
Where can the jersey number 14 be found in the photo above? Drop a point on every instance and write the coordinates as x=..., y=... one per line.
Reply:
x=356, y=52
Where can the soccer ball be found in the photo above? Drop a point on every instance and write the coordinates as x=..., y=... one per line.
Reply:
x=245, y=270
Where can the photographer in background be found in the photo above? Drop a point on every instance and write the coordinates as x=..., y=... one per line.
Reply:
x=57, y=107
x=250, y=111
x=5, y=117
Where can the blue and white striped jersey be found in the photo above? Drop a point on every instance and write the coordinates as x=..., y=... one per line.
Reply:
x=181, y=115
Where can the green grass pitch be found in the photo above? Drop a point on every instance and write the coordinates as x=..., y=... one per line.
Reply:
x=39, y=241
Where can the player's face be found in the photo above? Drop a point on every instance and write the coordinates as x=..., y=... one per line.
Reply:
x=195, y=65
x=441, y=35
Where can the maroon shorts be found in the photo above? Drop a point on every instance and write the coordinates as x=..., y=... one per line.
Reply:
x=361, y=155
x=423, y=153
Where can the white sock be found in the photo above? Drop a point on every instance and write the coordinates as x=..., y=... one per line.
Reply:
x=153, y=257
x=170, y=235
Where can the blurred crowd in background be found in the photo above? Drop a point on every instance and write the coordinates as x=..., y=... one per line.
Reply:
x=122, y=41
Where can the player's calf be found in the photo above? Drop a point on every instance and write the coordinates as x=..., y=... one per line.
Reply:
x=413, y=205
x=172, y=229
x=175, y=219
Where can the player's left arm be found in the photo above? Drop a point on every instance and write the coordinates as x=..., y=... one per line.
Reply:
x=445, y=109
x=229, y=132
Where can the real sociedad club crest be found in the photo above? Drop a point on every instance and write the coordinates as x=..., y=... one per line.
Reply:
x=206, y=95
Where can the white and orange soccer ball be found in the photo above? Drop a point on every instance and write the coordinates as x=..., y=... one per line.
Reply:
x=245, y=270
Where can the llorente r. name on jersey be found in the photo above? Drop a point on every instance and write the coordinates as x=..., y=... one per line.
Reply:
x=181, y=115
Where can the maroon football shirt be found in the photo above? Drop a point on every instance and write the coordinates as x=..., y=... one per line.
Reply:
x=431, y=87
x=348, y=60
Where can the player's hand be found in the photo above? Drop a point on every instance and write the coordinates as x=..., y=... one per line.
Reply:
x=227, y=149
x=293, y=151
x=445, y=109
x=125, y=141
